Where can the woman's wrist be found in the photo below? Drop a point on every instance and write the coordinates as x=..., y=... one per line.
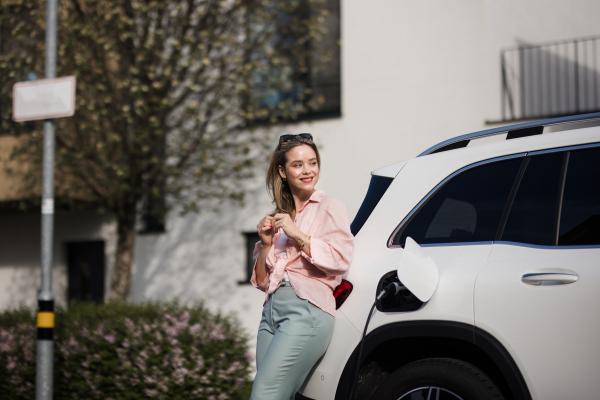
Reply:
x=297, y=235
x=302, y=240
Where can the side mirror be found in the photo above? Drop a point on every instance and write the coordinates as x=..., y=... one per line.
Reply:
x=417, y=271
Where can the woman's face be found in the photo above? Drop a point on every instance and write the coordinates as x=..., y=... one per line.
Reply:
x=301, y=169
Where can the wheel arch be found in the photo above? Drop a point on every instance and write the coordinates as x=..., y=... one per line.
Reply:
x=392, y=346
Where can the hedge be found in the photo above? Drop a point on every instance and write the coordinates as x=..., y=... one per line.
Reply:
x=128, y=351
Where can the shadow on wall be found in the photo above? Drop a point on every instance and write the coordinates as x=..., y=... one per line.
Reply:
x=551, y=79
x=20, y=262
x=20, y=253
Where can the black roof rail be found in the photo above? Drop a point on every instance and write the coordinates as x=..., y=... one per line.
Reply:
x=514, y=132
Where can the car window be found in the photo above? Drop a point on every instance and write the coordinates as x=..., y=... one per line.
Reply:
x=580, y=214
x=533, y=215
x=468, y=208
x=377, y=188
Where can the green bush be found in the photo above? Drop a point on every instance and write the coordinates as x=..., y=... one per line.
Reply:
x=128, y=351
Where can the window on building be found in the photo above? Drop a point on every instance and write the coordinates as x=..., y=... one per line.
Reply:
x=86, y=267
x=580, y=214
x=306, y=87
x=468, y=208
x=251, y=239
x=153, y=214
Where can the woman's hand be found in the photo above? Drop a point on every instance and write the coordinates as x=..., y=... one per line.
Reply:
x=289, y=227
x=266, y=230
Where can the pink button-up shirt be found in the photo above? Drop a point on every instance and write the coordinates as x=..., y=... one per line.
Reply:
x=325, y=219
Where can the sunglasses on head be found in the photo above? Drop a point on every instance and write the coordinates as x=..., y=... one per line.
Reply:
x=289, y=138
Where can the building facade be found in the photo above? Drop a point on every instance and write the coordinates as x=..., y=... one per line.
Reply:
x=411, y=74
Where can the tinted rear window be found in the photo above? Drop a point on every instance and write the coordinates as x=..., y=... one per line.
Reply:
x=377, y=189
x=468, y=208
x=580, y=215
x=533, y=215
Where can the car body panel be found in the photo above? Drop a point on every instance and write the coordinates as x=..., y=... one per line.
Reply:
x=390, y=171
x=325, y=375
x=561, y=361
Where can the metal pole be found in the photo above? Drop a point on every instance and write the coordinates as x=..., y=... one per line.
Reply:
x=45, y=317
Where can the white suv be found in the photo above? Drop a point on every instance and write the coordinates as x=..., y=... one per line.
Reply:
x=512, y=229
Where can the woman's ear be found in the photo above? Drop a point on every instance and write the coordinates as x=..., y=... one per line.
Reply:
x=281, y=172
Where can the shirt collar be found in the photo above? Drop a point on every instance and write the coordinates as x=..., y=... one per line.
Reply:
x=317, y=196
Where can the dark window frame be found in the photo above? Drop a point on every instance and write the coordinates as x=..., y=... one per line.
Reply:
x=515, y=192
x=315, y=83
x=575, y=193
x=526, y=157
x=407, y=220
x=91, y=254
x=567, y=150
x=251, y=238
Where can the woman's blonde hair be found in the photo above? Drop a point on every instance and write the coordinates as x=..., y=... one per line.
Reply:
x=278, y=189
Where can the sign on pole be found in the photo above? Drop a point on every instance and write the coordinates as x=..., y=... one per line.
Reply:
x=44, y=99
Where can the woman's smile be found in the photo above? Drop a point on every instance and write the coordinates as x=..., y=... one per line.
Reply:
x=301, y=171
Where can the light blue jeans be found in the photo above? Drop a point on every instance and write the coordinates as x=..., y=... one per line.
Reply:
x=292, y=336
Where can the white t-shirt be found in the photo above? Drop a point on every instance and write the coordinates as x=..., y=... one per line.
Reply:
x=280, y=251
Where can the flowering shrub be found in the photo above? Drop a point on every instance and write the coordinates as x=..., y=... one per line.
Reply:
x=123, y=351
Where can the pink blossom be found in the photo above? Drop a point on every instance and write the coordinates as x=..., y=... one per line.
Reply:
x=155, y=348
x=195, y=329
x=218, y=333
x=179, y=375
x=110, y=338
x=141, y=364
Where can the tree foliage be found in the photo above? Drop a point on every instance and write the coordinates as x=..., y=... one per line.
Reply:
x=169, y=94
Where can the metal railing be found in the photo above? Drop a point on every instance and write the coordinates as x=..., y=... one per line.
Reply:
x=551, y=80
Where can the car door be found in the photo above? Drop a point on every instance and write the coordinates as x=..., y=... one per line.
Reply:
x=457, y=223
x=538, y=291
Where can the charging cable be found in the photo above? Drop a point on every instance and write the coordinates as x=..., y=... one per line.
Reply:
x=393, y=289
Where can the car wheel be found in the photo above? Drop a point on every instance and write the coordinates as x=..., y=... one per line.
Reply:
x=438, y=379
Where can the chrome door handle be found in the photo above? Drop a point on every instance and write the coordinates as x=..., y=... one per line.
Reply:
x=549, y=278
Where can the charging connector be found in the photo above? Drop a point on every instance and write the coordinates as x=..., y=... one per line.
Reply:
x=393, y=289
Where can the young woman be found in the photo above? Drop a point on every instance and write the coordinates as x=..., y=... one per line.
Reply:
x=305, y=247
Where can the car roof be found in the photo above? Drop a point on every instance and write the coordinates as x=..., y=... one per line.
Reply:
x=532, y=130
x=516, y=131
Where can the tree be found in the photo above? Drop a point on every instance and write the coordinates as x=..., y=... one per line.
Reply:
x=169, y=94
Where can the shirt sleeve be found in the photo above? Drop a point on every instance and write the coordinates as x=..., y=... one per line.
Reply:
x=269, y=263
x=332, y=243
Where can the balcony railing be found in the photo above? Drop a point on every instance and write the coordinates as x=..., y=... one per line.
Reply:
x=551, y=80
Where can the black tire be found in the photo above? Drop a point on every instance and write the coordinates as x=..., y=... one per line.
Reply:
x=453, y=379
